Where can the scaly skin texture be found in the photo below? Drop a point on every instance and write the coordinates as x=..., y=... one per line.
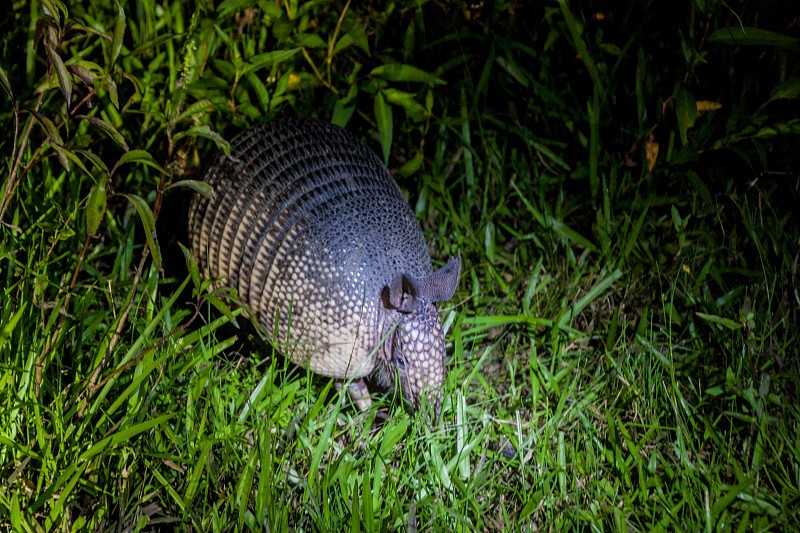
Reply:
x=309, y=227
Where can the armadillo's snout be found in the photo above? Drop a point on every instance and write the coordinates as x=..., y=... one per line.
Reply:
x=421, y=362
x=423, y=396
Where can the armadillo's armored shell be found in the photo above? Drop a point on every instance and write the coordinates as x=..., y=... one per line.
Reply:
x=310, y=228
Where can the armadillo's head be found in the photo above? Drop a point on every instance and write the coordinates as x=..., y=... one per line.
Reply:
x=417, y=355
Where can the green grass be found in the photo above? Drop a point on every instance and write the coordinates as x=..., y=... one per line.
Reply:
x=620, y=181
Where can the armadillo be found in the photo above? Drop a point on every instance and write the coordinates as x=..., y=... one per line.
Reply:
x=307, y=224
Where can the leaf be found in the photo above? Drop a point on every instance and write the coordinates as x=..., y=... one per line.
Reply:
x=356, y=37
x=283, y=85
x=261, y=91
x=676, y=218
x=198, y=186
x=149, y=223
x=94, y=70
x=64, y=79
x=122, y=436
x=137, y=156
x=489, y=241
x=342, y=113
x=119, y=32
x=112, y=91
x=199, y=107
x=733, y=493
x=54, y=137
x=6, y=85
x=8, y=328
x=270, y=58
x=197, y=470
x=191, y=265
x=392, y=435
x=138, y=88
x=749, y=36
x=383, y=115
x=686, y=109
x=788, y=90
x=222, y=308
x=95, y=160
x=781, y=128
x=69, y=154
x=722, y=321
x=406, y=100
x=55, y=9
x=400, y=72
x=359, y=36
x=576, y=28
x=344, y=107
x=16, y=522
x=108, y=129
x=49, y=127
x=83, y=73
x=204, y=131
x=310, y=40
x=651, y=152
x=706, y=105
x=514, y=70
x=77, y=27
x=411, y=166
x=155, y=41
x=96, y=206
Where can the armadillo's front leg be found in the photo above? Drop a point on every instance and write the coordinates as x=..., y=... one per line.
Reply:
x=358, y=392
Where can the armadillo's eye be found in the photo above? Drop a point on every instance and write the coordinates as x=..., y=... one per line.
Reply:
x=399, y=358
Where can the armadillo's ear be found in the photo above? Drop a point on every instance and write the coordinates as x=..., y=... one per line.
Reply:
x=401, y=293
x=441, y=285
